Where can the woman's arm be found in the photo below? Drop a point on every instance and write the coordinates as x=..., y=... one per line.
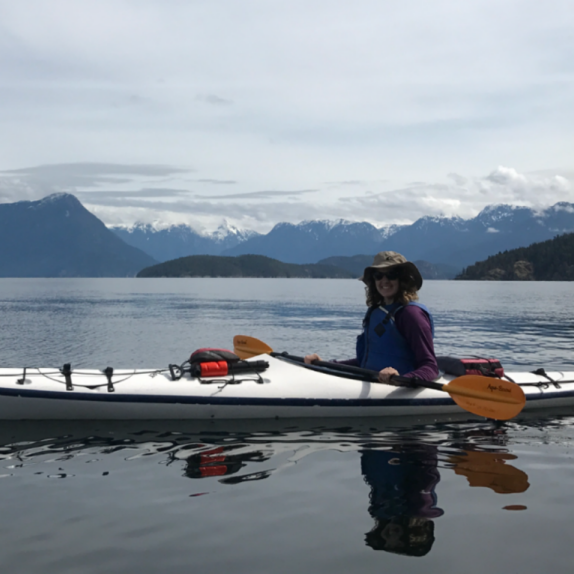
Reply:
x=414, y=325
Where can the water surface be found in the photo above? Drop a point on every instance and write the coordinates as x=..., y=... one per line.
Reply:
x=405, y=495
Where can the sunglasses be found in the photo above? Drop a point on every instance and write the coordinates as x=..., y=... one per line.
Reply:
x=390, y=275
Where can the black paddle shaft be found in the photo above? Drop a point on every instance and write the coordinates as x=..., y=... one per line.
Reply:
x=366, y=373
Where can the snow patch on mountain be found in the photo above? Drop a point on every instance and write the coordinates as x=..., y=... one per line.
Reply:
x=318, y=224
x=494, y=214
x=223, y=233
x=562, y=206
x=388, y=230
x=427, y=222
x=226, y=231
x=52, y=199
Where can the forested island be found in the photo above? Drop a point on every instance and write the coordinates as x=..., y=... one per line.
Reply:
x=242, y=266
x=551, y=260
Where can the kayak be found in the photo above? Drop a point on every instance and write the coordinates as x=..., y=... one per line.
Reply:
x=285, y=389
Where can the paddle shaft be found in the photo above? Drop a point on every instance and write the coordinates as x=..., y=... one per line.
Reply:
x=374, y=376
x=366, y=373
x=491, y=398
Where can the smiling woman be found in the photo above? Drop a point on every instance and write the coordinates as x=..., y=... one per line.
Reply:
x=397, y=337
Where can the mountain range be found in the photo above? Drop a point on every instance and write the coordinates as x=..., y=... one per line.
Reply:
x=177, y=241
x=58, y=237
x=450, y=241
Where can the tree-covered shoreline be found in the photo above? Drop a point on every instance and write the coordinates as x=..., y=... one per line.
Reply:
x=551, y=260
x=241, y=266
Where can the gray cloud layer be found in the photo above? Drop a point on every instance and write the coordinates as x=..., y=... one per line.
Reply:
x=74, y=175
x=260, y=210
x=381, y=99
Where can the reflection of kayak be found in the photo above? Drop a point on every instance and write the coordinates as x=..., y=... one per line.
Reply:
x=285, y=389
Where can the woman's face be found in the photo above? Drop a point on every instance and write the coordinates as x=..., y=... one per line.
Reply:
x=387, y=283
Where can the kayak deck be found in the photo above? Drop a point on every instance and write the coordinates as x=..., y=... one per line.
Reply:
x=284, y=390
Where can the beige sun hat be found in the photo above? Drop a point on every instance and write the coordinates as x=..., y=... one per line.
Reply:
x=391, y=260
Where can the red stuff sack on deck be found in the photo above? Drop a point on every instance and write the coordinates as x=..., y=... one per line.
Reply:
x=221, y=362
x=476, y=366
x=213, y=362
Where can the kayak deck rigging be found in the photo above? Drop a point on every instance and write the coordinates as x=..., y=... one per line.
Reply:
x=285, y=390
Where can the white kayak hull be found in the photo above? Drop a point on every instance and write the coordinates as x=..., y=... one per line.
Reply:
x=285, y=390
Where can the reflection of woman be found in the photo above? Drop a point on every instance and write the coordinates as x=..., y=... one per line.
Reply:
x=397, y=336
x=402, y=535
x=402, y=498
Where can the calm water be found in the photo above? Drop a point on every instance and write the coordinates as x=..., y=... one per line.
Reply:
x=408, y=495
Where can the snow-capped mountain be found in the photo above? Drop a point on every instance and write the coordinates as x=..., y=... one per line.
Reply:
x=310, y=241
x=62, y=238
x=446, y=240
x=230, y=235
x=442, y=240
x=496, y=228
x=177, y=241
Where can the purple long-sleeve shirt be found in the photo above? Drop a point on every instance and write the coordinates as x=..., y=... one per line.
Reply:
x=414, y=325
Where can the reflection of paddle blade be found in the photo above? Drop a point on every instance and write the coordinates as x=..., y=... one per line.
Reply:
x=489, y=469
x=246, y=347
x=502, y=400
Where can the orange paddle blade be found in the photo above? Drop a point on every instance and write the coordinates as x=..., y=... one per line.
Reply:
x=488, y=397
x=245, y=347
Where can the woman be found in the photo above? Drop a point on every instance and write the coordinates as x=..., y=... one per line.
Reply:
x=397, y=336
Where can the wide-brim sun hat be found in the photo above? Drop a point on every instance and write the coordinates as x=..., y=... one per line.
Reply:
x=387, y=260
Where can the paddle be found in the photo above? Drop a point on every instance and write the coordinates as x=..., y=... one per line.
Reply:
x=483, y=396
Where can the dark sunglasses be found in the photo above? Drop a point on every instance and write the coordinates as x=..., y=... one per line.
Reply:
x=390, y=275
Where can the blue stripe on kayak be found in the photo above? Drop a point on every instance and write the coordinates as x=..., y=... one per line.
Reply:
x=247, y=401
x=236, y=401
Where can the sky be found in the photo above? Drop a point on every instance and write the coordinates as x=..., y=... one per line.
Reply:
x=262, y=111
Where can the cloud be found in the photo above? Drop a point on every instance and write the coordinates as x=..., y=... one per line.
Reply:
x=258, y=211
x=213, y=99
x=458, y=179
x=142, y=195
x=206, y=214
x=217, y=181
x=102, y=196
x=566, y=208
x=73, y=175
x=260, y=194
x=519, y=188
x=348, y=182
x=263, y=209
x=354, y=100
x=12, y=190
x=464, y=196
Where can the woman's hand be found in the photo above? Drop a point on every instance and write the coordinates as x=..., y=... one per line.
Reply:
x=385, y=374
x=310, y=359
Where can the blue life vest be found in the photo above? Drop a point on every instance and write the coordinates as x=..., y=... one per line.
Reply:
x=402, y=482
x=381, y=345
